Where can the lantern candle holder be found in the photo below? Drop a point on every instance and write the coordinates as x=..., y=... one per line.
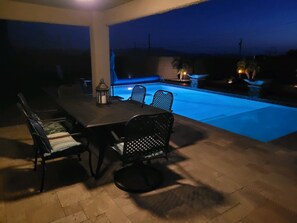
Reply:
x=102, y=93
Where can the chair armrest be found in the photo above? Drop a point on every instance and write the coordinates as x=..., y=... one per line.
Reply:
x=62, y=119
x=46, y=110
x=116, y=137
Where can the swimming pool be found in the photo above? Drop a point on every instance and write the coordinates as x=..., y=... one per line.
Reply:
x=254, y=119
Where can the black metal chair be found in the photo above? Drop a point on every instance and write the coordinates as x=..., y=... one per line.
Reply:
x=50, y=125
x=24, y=102
x=138, y=94
x=54, y=146
x=163, y=99
x=146, y=137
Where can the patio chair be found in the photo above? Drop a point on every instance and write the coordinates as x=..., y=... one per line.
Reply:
x=146, y=137
x=25, y=103
x=50, y=125
x=54, y=146
x=163, y=99
x=49, y=128
x=138, y=94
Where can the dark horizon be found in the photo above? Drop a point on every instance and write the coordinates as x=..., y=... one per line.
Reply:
x=215, y=27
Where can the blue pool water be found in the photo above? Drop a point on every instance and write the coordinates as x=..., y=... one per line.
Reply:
x=257, y=120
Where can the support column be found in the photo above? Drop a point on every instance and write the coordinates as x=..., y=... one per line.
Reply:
x=99, y=40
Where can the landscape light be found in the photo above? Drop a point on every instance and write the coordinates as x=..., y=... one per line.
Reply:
x=240, y=71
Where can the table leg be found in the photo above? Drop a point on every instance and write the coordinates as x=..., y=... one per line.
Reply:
x=100, y=138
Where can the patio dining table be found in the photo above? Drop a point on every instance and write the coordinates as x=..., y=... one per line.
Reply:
x=102, y=117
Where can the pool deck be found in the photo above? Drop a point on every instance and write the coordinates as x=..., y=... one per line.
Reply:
x=211, y=176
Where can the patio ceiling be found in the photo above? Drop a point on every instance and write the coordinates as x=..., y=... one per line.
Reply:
x=98, y=5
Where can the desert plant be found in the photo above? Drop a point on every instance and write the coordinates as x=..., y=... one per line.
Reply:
x=248, y=67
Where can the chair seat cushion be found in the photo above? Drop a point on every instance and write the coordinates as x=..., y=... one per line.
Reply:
x=119, y=148
x=53, y=127
x=61, y=141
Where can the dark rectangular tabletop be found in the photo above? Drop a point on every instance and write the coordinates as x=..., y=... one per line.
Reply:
x=88, y=114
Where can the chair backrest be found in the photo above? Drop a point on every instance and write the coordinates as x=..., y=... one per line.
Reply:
x=21, y=108
x=24, y=103
x=163, y=99
x=39, y=136
x=138, y=93
x=147, y=137
x=70, y=91
x=26, y=109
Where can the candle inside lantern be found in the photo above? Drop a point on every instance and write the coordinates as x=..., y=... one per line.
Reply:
x=103, y=99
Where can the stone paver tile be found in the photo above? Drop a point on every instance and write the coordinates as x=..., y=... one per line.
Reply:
x=2, y=212
x=228, y=203
x=49, y=197
x=127, y=204
x=130, y=209
x=74, y=218
x=201, y=173
x=17, y=218
x=73, y=208
x=73, y=194
x=22, y=207
x=103, y=204
x=98, y=219
x=246, y=220
x=233, y=215
x=185, y=213
x=286, y=197
x=224, y=184
x=47, y=213
x=279, y=182
x=258, y=168
x=272, y=213
x=113, y=191
x=146, y=217
x=221, y=142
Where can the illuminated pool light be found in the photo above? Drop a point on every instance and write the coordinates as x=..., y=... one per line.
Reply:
x=253, y=119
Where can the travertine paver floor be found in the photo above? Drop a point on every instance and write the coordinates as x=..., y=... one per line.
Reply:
x=211, y=176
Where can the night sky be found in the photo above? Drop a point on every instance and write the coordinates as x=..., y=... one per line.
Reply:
x=48, y=36
x=216, y=27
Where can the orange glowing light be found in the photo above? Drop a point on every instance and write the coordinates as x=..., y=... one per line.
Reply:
x=240, y=71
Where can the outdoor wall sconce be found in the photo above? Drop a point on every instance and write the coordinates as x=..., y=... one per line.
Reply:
x=102, y=93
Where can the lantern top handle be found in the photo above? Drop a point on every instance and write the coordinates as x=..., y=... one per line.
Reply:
x=102, y=85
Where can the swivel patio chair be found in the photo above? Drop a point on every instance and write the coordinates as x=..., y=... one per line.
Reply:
x=146, y=137
x=138, y=94
x=54, y=146
x=163, y=99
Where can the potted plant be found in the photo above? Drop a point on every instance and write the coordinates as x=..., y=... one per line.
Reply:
x=182, y=65
x=248, y=68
